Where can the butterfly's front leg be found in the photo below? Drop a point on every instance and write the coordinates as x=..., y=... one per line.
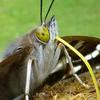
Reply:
x=68, y=59
x=28, y=79
x=29, y=84
x=60, y=66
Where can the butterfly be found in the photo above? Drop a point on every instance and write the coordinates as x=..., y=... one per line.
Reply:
x=33, y=57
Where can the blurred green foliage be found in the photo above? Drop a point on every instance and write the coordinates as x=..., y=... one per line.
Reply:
x=75, y=17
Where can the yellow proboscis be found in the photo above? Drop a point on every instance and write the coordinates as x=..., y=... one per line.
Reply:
x=86, y=63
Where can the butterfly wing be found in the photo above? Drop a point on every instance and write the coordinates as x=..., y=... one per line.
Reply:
x=13, y=60
x=85, y=45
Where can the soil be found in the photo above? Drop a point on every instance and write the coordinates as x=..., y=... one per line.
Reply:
x=69, y=89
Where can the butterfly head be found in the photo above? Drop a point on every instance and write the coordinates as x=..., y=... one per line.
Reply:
x=47, y=31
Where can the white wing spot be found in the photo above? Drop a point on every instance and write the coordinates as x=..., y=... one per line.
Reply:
x=88, y=57
x=95, y=53
x=98, y=47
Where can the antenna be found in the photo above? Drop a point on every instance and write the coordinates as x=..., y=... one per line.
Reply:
x=48, y=10
x=41, y=11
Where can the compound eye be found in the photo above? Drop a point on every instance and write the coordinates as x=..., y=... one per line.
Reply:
x=43, y=34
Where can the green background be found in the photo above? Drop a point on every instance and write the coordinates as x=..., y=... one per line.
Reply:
x=74, y=17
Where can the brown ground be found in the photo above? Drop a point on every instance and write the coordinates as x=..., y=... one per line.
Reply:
x=69, y=89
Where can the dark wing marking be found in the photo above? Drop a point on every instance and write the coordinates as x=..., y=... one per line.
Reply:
x=86, y=45
x=83, y=44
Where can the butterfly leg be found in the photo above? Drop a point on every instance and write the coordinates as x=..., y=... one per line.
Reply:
x=58, y=64
x=68, y=59
x=28, y=76
x=55, y=59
